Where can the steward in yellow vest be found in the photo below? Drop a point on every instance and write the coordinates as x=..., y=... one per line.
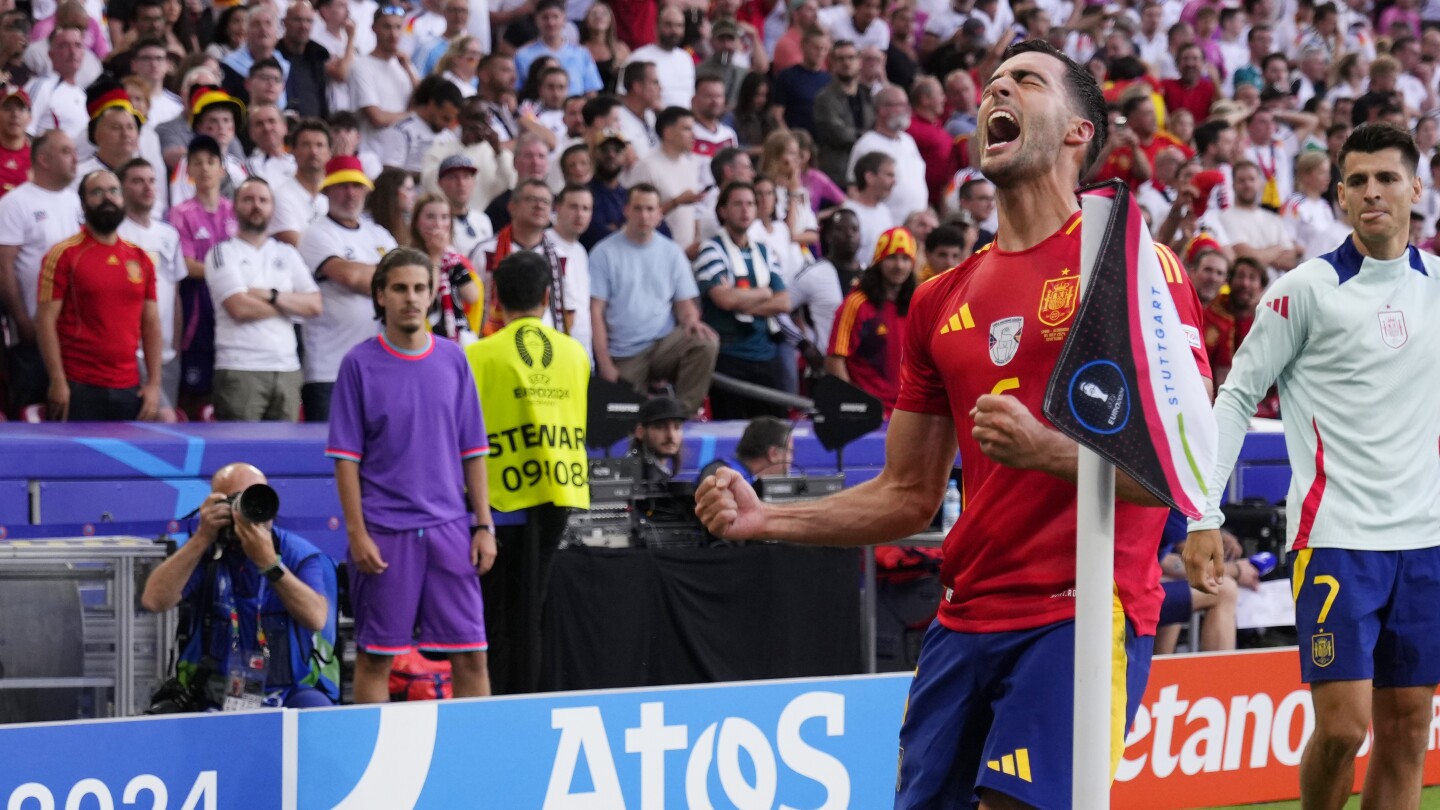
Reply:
x=533, y=383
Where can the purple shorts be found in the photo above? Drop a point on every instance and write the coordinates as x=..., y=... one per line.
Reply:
x=428, y=597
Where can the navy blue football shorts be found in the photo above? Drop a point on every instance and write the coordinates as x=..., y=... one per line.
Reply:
x=994, y=711
x=1368, y=615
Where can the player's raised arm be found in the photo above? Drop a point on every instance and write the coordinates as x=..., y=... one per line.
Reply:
x=900, y=501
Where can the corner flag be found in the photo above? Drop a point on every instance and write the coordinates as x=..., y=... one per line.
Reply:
x=1126, y=385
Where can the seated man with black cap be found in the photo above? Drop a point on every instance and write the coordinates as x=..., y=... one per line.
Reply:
x=657, y=440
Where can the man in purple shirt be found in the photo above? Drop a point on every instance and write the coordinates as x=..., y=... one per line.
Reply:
x=409, y=443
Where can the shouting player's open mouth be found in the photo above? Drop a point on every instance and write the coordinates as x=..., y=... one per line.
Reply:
x=1000, y=131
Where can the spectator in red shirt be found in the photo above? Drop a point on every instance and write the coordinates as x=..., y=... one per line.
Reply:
x=927, y=127
x=1228, y=317
x=96, y=308
x=14, y=143
x=1193, y=91
x=870, y=329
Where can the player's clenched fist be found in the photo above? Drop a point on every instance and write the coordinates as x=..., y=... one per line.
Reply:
x=729, y=507
x=1009, y=434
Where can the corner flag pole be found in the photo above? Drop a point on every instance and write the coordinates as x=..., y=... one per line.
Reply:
x=1094, y=600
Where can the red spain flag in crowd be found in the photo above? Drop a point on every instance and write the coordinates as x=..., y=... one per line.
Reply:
x=1127, y=385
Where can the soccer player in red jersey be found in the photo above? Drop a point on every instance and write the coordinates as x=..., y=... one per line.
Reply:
x=989, y=717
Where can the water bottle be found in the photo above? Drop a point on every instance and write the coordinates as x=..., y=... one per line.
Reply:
x=1264, y=562
x=950, y=511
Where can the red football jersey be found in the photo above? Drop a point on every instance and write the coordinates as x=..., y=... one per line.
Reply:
x=994, y=325
x=871, y=340
x=14, y=167
x=102, y=289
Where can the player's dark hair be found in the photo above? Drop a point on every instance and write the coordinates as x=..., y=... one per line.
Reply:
x=1085, y=95
x=521, y=280
x=1372, y=138
x=869, y=163
x=399, y=257
x=872, y=286
x=763, y=433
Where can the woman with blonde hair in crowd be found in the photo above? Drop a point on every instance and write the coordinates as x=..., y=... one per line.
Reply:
x=780, y=161
x=457, y=288
x=597, y=35
x=460, y=64
x=392, y=202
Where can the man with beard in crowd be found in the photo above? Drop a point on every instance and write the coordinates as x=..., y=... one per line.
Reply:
x=96, y=306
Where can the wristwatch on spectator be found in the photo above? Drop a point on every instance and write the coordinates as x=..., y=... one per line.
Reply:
x=274, y=296
x=489, y=527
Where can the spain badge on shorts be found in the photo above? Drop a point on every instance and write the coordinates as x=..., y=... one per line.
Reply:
x=1322, y=649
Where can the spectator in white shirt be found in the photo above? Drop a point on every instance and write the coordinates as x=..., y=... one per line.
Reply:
x=269, y=159
x=341, y=250
x=638, y=107
x=56, y=100
x=335, y=31
x=34, y=217
x=574, y=206
x=1255, y=232
x=468, y=227
x=434, y=109
x=299, y=201
x=495, y=165
x=874, y=180
x=674, y=66
x=711, y=135
x=259, y=286
x=381, y=83
x=159, y=239
x=671, y=169
x=862, y=25
x=892, y=118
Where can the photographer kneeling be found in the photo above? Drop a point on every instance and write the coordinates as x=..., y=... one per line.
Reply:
x=255, y=624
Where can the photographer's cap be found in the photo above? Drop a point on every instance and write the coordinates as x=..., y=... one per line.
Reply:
x=661, y=409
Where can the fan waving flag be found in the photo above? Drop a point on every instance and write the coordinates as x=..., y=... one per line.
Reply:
x=1126, y=385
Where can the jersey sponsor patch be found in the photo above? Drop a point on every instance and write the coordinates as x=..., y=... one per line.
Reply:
x=1192, y=336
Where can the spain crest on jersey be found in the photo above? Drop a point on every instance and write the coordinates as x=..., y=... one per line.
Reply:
x=1126, y=384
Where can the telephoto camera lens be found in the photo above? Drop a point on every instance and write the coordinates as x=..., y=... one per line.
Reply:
x=259, y=503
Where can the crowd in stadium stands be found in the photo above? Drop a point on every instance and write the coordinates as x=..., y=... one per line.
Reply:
x=748, y=187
